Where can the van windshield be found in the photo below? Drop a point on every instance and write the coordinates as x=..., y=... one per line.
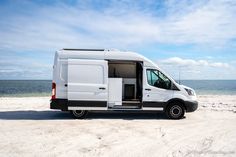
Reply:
x=157, y=79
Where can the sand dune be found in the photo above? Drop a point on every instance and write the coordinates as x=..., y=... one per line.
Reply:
x=29, y=128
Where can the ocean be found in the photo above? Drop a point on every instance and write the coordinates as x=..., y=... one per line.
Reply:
x=21, y=88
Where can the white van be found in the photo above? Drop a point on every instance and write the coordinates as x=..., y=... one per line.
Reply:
x=97, y=79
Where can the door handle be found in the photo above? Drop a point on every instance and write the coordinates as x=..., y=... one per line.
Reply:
x=148, y=89
x=65, y=85
x=102, y=88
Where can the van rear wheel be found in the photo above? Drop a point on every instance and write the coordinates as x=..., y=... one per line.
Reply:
x=175, y=110
x=79, y=114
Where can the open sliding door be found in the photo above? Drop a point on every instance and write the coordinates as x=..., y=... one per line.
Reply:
x=87, y=84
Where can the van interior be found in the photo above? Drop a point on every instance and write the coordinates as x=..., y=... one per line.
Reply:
x=131, y=74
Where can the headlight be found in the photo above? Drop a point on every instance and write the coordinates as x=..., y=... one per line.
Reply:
x=189, y=91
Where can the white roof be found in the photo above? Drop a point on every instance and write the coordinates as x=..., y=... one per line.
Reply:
x=106, y=55
x=103, y=55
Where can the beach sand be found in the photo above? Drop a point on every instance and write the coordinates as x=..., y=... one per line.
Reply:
x=29, y=128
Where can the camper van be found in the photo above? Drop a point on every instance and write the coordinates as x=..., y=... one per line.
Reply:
x=111, y=80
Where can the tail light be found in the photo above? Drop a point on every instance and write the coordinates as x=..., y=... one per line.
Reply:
x=53, y=90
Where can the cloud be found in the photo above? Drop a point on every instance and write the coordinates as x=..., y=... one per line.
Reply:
x=209, y=23
x=30, y=26
x=190, y=62
x=118, y=24
x=197, y=69
x=23, y=68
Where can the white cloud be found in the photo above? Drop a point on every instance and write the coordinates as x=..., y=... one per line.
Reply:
x=22, y=68
x=197, y=69
x=211, y=23
x=122, y=24
x=52, y=27
x=190, y=62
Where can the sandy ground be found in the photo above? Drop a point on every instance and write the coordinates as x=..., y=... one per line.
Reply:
x=29, y=128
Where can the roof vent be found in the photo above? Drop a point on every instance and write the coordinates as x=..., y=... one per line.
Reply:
x=68, y=49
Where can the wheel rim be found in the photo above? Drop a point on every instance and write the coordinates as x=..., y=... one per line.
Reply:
x=176, y=111
x=78, y=113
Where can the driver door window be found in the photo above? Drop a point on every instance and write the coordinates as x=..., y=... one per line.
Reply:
x=157, y=79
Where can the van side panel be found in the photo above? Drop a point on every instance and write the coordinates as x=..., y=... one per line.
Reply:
x=87, y=80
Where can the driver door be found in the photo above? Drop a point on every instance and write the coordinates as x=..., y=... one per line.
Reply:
x=156, y=86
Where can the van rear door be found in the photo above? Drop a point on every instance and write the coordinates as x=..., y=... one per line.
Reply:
x=87, y=83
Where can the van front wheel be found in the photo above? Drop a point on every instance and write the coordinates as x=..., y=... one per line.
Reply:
x=79, y=114
x=175, y=110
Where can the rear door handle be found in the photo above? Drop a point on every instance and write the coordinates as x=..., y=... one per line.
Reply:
x=148, y=89
x=65, y=85
x=102, y=88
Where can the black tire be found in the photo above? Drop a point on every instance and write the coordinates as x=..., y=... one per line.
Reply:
x=175, y=110
x=79, y=114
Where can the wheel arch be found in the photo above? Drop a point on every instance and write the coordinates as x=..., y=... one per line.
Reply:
x=175, y=100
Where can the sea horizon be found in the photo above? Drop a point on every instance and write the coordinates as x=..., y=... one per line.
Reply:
x=27, y=88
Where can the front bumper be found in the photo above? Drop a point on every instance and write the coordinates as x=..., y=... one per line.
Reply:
x=191, y=106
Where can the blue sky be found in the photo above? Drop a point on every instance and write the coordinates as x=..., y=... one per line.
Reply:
x=197, y=38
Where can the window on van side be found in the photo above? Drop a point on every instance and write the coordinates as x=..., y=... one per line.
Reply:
x=157, y=79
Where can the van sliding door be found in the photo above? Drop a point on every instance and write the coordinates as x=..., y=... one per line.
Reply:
x=87, y=82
